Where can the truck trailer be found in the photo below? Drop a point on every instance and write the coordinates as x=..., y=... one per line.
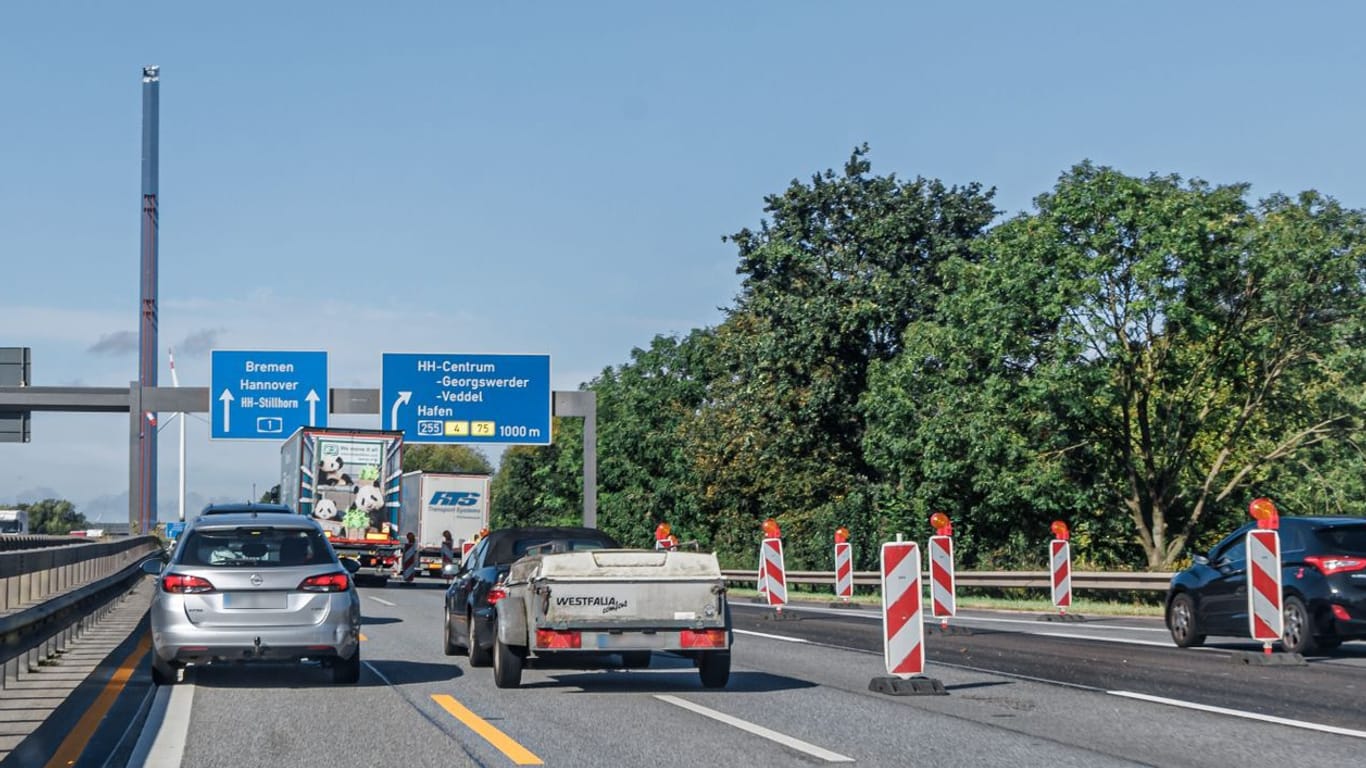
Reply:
x=434, y=502
x=350, y=481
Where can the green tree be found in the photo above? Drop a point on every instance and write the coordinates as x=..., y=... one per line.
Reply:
x=832, y=279
x=1140, y=356
x=458, y=459
x=539, y=485
x=53, y=517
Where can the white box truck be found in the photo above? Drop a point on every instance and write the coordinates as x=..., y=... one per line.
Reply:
x=433, y=502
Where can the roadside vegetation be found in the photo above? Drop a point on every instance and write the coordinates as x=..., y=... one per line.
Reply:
x=1137, y=356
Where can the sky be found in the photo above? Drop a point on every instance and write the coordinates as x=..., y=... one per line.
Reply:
x=555, y=178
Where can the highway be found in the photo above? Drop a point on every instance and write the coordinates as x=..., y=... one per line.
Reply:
x=1020, y=692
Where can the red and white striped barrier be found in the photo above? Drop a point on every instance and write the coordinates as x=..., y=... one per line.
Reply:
x=844, y=570
x=465, y=547
x=1266, y=618
x=1061, y=559
x=775, y=576
x=407, y=563
x=943, y=594
x=903, y=630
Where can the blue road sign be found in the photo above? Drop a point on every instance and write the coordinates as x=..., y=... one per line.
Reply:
x=263, y=395
x=441, y=398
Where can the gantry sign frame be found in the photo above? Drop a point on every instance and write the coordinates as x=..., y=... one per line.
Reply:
x=141, y=403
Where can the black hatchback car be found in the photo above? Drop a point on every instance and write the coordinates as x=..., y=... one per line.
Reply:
x=469, y=615
x=1323, y=579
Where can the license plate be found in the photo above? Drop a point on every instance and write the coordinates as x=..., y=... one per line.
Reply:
x=276, y=600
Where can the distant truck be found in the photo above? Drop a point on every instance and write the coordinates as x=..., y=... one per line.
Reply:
x=434, y=502
x=349, y=480
x=14, y=522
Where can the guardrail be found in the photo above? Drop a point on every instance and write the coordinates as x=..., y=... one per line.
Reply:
x=48, y=597
x=1102, y=580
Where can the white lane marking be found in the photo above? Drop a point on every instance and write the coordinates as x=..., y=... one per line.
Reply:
x=381, y=600
x=167, y=745
x=1121, y=640
x=1042, y=625
x=770, y=637
x=1245, y=715
x=757, y=730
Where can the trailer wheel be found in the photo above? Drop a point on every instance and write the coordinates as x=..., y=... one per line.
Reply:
x=714, y=668
x=507, y=665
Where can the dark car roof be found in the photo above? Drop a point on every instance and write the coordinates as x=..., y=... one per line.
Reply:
x=502, y=543
x=246, y=507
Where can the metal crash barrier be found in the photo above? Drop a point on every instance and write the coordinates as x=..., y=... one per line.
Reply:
x=1041, y=580
x=50, y=596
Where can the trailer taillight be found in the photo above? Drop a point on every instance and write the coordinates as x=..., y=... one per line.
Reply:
x=702, y=638
x=553, y=639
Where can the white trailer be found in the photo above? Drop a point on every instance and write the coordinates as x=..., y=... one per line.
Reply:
x=13, y=521
x=433, y=502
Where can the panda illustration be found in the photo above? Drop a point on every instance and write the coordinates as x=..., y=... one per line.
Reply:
x=370, y=499
x=330, y=472
x=328, y=516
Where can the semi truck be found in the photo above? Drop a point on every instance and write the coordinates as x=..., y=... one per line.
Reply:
x=350, y=481
x=434, y=502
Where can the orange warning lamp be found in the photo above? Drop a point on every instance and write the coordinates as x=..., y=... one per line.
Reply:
x=940, y=522
x=841, y=535
x=662, y=531
x=1059, y=529
x=1265, y=513
x=771, y=529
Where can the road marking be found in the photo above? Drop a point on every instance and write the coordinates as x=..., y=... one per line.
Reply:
x=1245, y=715
x=168, y=746
x=500, y=741
x=363, y=638
x=757, y=730
x=770, y=637
x=1121, y=640
x=75, y=742
x=1041, y=625
x=381, y=600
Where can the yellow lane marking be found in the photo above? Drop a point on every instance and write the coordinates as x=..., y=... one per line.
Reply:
x=515, y=752
x=362, y=637
x=75, y=742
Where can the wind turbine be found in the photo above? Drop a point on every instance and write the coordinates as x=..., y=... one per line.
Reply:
x=175, y=381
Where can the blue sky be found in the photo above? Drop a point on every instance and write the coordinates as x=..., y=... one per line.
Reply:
x=555, y=178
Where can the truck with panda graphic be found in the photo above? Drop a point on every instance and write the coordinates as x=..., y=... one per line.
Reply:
x=350, y=481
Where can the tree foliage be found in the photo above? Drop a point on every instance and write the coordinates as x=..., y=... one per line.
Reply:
x=53, y=517
x=458, y=459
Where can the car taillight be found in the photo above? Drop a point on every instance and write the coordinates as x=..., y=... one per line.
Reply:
x=495, y=594
x=1331, y=564
x=551, y=639
x=702, y=638
x=175, y=582
x=327, y=582
x=1340, y=612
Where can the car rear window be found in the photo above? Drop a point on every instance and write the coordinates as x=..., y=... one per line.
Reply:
x=255, y=547
x=1343, y=539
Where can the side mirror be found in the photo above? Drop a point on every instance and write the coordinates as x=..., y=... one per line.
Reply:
x=152, y=567
x=350, y=564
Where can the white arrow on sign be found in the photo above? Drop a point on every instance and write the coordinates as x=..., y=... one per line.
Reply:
x=312, y=399
x=403, y=397
x=226, y=399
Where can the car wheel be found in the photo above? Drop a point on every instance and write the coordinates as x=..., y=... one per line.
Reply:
x=635, y=659
x=1298, y=634
x=163, y=672
x=479, y=657
x=507, y=665
x=347, y=671
x=447, y=641
x=714, y=668
x=1181, y=622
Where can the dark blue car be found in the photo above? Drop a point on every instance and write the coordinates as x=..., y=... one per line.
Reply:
x=1323, y=567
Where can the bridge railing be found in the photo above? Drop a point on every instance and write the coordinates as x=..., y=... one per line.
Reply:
x=1041, y=580
x=49, y=596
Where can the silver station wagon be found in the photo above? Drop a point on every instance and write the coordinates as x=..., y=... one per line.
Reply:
x=254, y=584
